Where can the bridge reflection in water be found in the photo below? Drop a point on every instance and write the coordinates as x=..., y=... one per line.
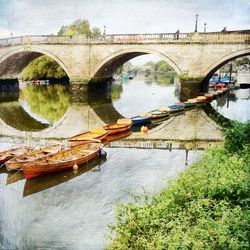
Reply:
x=58, y=112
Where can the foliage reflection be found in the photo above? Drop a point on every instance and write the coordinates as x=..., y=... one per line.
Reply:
x=50, y=102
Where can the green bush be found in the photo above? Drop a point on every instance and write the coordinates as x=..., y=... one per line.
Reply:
x=237, y=136
x=207, y=207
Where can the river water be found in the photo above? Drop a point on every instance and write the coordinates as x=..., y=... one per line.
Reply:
x=71, y=210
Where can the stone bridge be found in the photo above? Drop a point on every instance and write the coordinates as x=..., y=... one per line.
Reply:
x=194, y=56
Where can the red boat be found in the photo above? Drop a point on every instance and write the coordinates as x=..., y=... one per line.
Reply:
x=62, y=160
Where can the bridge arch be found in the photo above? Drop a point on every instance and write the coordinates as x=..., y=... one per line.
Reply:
x=111, y=63
x=38, y=51
x=220, y=62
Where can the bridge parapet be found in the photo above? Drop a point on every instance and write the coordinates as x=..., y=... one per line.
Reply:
x=210, y=37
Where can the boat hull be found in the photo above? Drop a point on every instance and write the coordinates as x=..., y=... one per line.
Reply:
x=176, y=108
x=140, y=120
x=158, y=114
x=86, y=137
x=112, y=129
x=9, y=154
x=45, y=166
x=17, y=162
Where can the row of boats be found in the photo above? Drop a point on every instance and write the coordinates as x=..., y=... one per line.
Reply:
x=84, y=147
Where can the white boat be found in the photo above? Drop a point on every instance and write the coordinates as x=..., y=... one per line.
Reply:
x=243, y=94
x=243, y=76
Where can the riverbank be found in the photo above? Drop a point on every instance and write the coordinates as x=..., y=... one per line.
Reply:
x=206, y=207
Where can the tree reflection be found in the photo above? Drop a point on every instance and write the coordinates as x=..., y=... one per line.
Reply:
x=50, y=102
x=117, y=90
x=164, y=79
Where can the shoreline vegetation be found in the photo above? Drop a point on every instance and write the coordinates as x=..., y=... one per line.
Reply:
x=206, y=207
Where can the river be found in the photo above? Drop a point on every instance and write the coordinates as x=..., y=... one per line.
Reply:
x=72, y=210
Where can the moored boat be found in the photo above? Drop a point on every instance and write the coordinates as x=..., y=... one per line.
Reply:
x=159, y=113
x=209, y=96
x=10, y=153
x=118, y=127
x=243, y=76
x=137, y=120
x=190, y=103
x=83, y=138
x=219, y=91
x=118, y=136
x=175, y=108
x=201, y=99
x=18, y=161
x=62, y=160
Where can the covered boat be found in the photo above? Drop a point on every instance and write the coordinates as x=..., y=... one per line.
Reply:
x=18, y=161
x=90, y=136
x=62, y=160
x=10, y=153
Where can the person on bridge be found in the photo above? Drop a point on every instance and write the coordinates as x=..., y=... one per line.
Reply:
x=177, y=33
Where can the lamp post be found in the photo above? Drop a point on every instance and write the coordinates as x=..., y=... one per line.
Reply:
x=196, y=22
x=104, y=30
x=205, y=27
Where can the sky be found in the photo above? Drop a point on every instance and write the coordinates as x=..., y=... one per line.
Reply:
x=41, y=17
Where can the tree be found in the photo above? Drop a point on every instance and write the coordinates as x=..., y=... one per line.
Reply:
x=95, y=31
x=79, y=27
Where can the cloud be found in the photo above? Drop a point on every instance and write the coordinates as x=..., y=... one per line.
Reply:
x=36, y=17
x=4, y=33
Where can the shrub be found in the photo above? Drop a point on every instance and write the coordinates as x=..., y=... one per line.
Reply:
x=237, y=136
x=207, y=207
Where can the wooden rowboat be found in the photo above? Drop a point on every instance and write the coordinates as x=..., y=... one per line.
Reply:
x=115, y=137
x=136, y=120
x=44, y=182
x=10, y=153
x=117, y=128
x=157, y=113
x=124, y=121
x=90, y=136
x=209, y=96
x=18, y=161
x=175, y=108
x=62, y=160
x=201, y=99
x=190, y=103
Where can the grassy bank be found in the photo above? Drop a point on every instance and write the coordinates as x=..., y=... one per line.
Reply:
x=206, y=207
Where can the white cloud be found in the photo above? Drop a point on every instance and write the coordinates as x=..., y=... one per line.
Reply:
x=119, y=16
x=4, y=33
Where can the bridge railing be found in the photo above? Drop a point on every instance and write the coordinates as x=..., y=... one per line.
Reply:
x=236, y=36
